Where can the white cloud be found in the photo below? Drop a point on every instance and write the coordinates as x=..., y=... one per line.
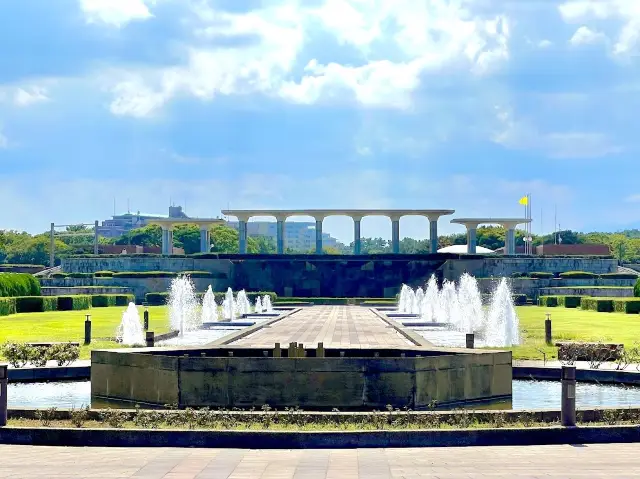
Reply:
x=545, y=43
x=586, y=36
x=4, y=141
x=30, y=96
x=635, y=198
x=522, y=135
x=627, y=12
x=116, y=13
x=426, y=39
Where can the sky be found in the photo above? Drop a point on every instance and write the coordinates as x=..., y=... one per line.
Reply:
x=420, y=104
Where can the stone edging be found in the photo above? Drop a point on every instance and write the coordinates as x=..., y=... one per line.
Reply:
x=53, y=373
x=542, y=373
x=413, y=337
x=317, y=440
x=230, y=338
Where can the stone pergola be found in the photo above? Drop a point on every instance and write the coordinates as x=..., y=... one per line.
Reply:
x=168, y=224
x=319, y=215
x=508, y=223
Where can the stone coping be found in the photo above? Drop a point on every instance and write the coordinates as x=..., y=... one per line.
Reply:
x=318, y=439
x=324, y=213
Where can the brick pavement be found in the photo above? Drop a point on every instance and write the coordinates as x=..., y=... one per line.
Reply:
x=334, y=326
x=564, y=461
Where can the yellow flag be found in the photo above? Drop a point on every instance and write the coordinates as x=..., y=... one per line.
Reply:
x=524, y=201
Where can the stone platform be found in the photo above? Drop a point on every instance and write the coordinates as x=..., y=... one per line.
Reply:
x=353, y=358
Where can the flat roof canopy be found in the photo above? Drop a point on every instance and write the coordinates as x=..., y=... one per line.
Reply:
x=185, y=221
x=354, y=213
x=506, y=222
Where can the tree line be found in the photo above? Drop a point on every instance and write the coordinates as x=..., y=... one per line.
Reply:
x=23, y=248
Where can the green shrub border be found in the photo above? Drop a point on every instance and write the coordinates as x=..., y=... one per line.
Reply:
x=76, y=302
x=19, y=284
x=36, y=304
x=160, y=299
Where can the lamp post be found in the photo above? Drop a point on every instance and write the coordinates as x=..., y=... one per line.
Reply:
x=87, y=329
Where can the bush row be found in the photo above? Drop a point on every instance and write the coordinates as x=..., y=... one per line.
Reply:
x=636, y=289
x=40, y=304
x=7, y=306
x=601, y=305
x=139, y=274
x=19, y=354
x=573, y=275
x=18, y=284
x=160, y=299
x=107, y=300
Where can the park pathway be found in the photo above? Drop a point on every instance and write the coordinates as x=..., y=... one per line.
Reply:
x=334, y=326
x=563, y=461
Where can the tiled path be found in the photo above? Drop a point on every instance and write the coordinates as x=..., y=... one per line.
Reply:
x=591, y=461
x=334, y=326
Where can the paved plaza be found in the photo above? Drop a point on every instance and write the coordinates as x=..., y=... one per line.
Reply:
x=334, y=326
x=566, y=461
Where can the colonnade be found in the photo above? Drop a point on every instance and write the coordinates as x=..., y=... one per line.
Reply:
x=356, y=215
x=509, y=225
x=168, y=224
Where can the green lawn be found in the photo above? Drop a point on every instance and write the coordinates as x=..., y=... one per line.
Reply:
x=572, y=324
x=69, y=326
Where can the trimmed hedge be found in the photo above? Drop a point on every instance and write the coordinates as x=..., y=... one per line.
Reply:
x=74, y=303
x=7, y=306
x=103, y=274
x=548, y=301
x=519, y=299
x=160, y=299
x=636, y=289
x=569, y=301
x=162, y=274
x=36, y=304
x=18, y=284
x=601, y=305
x=108, y=300
x=627, y=305
x=540, y=275
x=59, y=275
x=578, y=275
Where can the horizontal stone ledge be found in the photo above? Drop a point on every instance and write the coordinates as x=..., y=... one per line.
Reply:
x=317, y=440
x=53, y=373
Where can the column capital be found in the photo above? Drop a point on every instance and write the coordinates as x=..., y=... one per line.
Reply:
x=319, y=218
x=244, y=218
x=395, y=217
x=281, y=217
x=357, y=217
x=510, y=225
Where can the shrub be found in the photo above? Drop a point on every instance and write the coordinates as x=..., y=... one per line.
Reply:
x=74, y=303
x=618, y=276
x=59, y=275
x=36, y=304
x=7, y=306
x=519, y=299
x=602, y=305
x=64, y=353
x=548, y=301
x=18, y=354
x=626, y=305
x=578, y=275
x=156, y=299
x=160, y=299
x=18, y=284
x=569, y=301
x=103, y=274
x=636, y=289
x=145, y=274
x=540, y=275
x=108, y=300
x=80, y=275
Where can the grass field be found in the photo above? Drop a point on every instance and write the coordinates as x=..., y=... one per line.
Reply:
x=567, y=324
x=69, y=326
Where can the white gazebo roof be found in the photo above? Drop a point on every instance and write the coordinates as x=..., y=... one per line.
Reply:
x=462, y=249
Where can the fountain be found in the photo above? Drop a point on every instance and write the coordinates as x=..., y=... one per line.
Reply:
x=460, y=308
x=183, y=306
x=258, y=306
x=130, y=331
x=229, y=306
x=209, y=307
x=243, y=304
x=266, y=304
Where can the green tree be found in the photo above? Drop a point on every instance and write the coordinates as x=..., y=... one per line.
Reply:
x=35, y=250
x=150, y=235
x=224, y=239
x=413, y=246
x=187, y=237
x=261, y=244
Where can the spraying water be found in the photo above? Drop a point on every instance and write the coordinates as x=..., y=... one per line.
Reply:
x=430, y=306
x=183, y=306
x=209, y=307
x=243, y=305
x=266, y=304
x=258, y=307
x=229, y=306
x=502, y=326
x=471, y=311
x=130, y=331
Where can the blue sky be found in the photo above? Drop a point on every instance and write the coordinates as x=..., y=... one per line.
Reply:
x=461, y=104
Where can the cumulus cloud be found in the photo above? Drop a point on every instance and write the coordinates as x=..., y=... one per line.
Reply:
x=116, y=13
x=397, y=45
x=586, y=36
x=30, y=96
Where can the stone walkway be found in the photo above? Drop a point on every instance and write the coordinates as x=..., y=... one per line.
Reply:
x=334, y=326
x=565, y=461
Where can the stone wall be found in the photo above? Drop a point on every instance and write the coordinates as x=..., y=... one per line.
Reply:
x=531, y=287
x=65, y=291
x=332, y=276
x=349, y=383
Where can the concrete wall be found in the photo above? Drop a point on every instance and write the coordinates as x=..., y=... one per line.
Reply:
x=64, y=291
x=336, y=276
x=531, y=287
x=310, y=383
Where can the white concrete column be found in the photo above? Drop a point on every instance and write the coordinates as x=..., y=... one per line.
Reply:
x=170, y=240
x=242, y=234
x=395, y=234
x=205, y=239
x=280, y=220
x=165, y=240
x=357, y=238
x=471, y=239
x=433, y=234
x=319, y=221
x=510, y=238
